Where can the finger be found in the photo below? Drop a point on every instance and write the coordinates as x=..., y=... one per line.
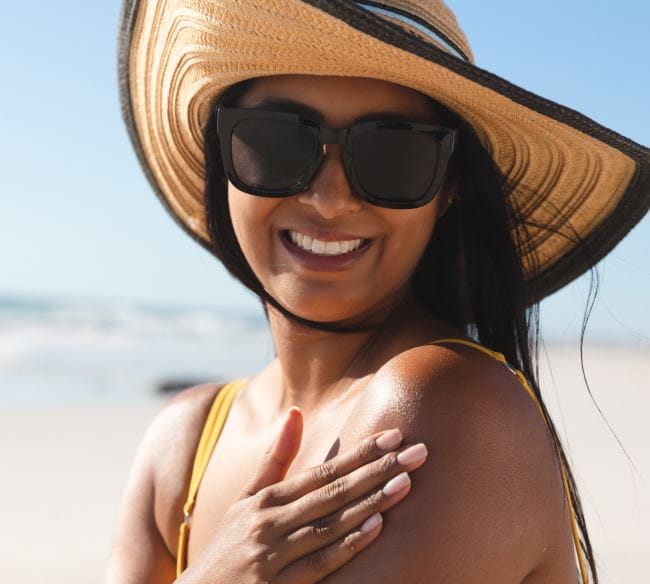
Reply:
x=313, y=478
x=328, y=529
x=280, y=455
x=317, y=565
x=337, y=494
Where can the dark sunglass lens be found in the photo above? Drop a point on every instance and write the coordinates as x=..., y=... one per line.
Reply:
x=272, y=154
x=395, y=164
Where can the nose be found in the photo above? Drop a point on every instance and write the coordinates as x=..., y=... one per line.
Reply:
x=330, y=192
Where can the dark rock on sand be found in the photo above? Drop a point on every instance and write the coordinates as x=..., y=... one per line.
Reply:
x=167, y=386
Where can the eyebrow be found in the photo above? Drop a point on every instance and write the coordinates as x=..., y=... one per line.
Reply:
x=295, y=107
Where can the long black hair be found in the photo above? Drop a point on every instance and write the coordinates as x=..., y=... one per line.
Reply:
x=475, y=250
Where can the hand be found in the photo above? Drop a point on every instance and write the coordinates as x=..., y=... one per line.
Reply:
x=299, y=530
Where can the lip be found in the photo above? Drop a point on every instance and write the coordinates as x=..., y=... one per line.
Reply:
x=325, y=263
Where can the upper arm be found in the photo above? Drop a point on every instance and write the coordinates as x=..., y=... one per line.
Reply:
x=140, y=554
x=489, y=499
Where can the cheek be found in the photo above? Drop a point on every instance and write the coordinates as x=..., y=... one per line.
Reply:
x=249, y=216
x=410, y=235
x=240, y=213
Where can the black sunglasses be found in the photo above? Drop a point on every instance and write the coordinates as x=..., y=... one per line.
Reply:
x=394, y=164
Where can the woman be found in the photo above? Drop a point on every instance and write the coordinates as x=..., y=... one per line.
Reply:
x=389, y=202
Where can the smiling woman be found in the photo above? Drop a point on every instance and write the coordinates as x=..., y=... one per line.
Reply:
x=314, y=283
x=400, y=213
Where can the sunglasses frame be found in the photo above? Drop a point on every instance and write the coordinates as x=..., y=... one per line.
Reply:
x=228, y=117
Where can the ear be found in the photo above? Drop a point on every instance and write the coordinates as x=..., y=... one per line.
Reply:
x=448, y=194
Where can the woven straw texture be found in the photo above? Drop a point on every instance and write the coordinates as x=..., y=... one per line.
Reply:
x=177, y=56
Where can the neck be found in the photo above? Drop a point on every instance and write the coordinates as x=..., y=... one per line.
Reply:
x=316, y=367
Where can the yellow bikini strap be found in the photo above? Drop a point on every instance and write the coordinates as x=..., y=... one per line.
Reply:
x=209, y=436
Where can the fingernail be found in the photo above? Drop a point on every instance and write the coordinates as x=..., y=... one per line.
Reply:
x=372, y=522
x=412, y=454
x=396, y=484
x=290, y=412
x=389, y=439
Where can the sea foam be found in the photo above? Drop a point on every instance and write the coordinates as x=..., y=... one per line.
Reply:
x=54, y=351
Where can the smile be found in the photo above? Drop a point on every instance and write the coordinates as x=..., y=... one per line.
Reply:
x=324, y=248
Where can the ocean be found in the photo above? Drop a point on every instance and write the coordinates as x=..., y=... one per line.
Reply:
x=58, y=351
x=54, y=352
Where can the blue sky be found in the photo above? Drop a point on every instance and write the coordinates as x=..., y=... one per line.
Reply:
x=78, y=219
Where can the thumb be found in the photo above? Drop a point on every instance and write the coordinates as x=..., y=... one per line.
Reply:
x=280, y=455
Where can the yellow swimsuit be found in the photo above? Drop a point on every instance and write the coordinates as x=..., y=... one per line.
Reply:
x=217, y=418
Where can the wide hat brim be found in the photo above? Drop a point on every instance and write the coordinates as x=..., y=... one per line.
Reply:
x=580, y=186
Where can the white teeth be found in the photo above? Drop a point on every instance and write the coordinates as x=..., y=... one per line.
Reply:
x=332, y=248
x=319, y=247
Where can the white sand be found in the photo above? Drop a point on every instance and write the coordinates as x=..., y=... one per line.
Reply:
x=64, y=470
x=63, y=474
x=615, y=496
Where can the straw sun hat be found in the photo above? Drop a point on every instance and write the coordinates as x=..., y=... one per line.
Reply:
x=177, y=56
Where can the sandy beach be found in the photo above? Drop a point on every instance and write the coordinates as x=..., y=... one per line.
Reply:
x=65, y=468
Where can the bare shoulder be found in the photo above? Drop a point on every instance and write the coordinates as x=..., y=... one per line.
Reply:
x=174, y=434
x=491, y=483
x=146, y=536
x=463, y=381
x=433, y=390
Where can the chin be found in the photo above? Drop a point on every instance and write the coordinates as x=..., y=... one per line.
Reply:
x=320, y=306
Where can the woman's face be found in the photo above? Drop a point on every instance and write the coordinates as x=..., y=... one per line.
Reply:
x=349, y=285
